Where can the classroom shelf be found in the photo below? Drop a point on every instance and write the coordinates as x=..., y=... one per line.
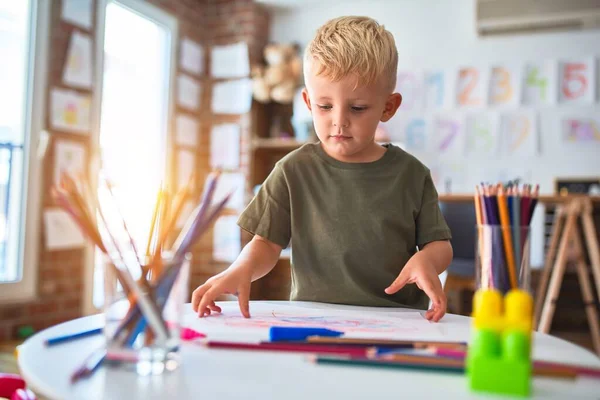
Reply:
x=276, y=144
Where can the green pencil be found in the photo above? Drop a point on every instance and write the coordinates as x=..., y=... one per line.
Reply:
x=365, y=362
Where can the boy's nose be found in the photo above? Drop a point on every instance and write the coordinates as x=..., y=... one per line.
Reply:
x=340, y=121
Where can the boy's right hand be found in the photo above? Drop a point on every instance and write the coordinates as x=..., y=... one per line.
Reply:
x=231, y=281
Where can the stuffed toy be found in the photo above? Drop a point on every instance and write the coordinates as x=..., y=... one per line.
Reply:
x=279, y=78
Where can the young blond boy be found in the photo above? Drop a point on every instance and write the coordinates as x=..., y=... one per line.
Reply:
x=355, y=211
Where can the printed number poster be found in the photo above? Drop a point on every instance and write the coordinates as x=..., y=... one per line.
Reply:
x=482, y=134
x=368, y=322
x=410, y=85
x=437, y=90
x=70, y=111
x=69, y=157
x=518, y=133
x=78, y=66
x=504, y=86
x=581, y=130
x=61, y=231
x=577, y=81
x=449, y=176
x=471, y=87
x=408, y=132
x=539, y=84
x=448, y=133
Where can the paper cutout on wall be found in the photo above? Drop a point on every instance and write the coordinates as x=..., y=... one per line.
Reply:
x=504, y=86
x=186, y=131
x=471, y=87
x=577, y=81
x=186, y=163
x=227, y=239
x=230, y=61
x=539, y=83
x=482, y=134
x=449, y=135
x=581, y=130
x=519, y=135
x=449, y=176
x=191, y=57
x=69, y=157
x=78, y=65
x=70, y=111
x=78, y=12
x=188, y=92
x=437, y=90
x=232, y=97
x=231, y=182
x=225, y=146
x=410, y=85
x=60, y=231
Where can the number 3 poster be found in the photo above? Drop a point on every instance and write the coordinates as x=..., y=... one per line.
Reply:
x=576, y=81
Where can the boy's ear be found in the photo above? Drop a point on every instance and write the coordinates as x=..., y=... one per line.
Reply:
x=306, y=98
x=391, y=106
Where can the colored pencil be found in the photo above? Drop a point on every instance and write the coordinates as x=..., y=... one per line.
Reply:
x=386, y=342
x=508, y=247
x=366, y=362
x=72, y=336
x=290, y=347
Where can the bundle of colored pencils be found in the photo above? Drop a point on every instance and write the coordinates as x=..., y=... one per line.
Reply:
x=504, y=213
x=101, y=221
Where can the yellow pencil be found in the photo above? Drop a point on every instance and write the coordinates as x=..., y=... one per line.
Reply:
x=508, y=247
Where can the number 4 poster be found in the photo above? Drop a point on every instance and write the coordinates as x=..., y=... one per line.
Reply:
x=577, y=81
x=539, y=83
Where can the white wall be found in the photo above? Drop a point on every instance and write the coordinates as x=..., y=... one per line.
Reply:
x=441, y=34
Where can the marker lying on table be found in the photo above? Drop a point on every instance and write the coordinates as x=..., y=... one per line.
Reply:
x=416, y=344
x=300, y=347
x=292, y=334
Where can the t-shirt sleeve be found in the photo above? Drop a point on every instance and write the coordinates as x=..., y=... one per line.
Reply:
x=430, y=222
x=268, y=214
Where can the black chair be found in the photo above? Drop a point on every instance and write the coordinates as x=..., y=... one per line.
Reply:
x=461, y=219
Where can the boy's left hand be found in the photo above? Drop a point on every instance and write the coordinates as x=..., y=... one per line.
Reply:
x=426, y=277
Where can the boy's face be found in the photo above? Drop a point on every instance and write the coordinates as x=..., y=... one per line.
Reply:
x=346, y=117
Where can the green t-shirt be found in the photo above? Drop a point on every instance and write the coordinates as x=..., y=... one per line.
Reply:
x=352, y=226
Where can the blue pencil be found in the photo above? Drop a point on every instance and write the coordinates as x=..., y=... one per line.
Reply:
x=72, y=336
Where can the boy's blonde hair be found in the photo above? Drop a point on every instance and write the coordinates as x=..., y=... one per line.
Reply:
x=353, y=45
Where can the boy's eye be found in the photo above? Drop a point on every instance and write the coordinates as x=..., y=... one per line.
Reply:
x=358, y=108
x=324, y=107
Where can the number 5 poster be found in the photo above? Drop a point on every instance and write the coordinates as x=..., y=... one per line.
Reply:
x=577, y=81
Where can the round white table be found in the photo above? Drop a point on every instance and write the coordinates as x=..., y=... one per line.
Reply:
x=232, y=374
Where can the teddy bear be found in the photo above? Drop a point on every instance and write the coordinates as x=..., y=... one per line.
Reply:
x=278, y=79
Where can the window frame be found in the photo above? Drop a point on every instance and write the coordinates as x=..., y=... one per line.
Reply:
x=160, y=17
x=35, y=140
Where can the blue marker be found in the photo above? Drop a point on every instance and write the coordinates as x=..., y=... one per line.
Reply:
x=72, y=336
x=288, y=334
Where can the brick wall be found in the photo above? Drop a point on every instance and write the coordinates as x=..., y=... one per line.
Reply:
x=61, y=273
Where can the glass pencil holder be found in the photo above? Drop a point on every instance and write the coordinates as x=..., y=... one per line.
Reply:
x=502, y=258
x=143, y=314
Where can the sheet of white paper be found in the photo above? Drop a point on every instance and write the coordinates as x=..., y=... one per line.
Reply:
x=232, y=97
x=225, y=146
x=78, y=12
x=410, y=85
x=577, y=81
x=437, y=89
x=449, y=176
x=186, y=131
x=186, y=162
x=191, y=57
x=231, y=182
x=472, y=87
x=482, y=133
x=188, y=92
x=78, y=66
x=227, y=239
x=69, y=157
x=230, y=61
x=60, y=231
x=580, y=130
x=366, y=322
x=519, y=134
x=70, y=111
x=504, y=86
x=539, y=82
x=449, y=135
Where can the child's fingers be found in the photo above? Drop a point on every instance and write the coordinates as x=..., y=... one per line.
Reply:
x=398, y=283
x=437, y=296
x=197, y=296
x=214, y=307
x=207, y=299
x=244, y=299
